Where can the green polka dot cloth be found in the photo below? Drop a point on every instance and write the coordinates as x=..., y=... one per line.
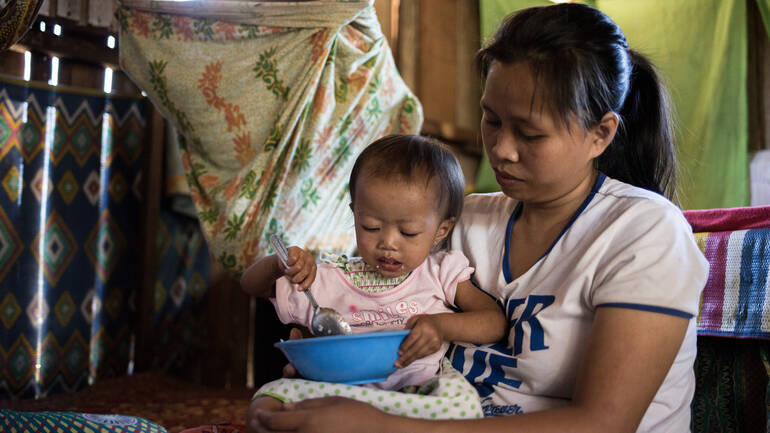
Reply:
x=447, y=396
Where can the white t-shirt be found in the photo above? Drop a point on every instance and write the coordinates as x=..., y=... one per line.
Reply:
x=625, y=247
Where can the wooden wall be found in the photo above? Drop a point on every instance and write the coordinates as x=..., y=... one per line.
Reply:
x=434, y=43
x=83, y=56
x=94, y=13
x=429, y=43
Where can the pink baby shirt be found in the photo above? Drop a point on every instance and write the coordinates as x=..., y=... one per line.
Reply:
x=429, y=289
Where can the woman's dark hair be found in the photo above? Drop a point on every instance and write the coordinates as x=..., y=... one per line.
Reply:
x=411, y=158
x=580, y=61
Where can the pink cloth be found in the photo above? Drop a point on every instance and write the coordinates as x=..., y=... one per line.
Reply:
x=729, y=219
x=430, y=289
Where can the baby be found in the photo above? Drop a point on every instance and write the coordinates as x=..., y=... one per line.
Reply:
x=406, y=195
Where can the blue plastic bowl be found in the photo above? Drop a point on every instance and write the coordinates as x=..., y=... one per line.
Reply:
x=348, y=359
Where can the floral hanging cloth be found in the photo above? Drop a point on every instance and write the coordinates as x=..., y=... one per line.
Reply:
x=272, y=101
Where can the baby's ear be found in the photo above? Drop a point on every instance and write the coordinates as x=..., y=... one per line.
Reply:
x=443, y=230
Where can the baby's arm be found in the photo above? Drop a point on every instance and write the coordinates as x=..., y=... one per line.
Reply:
x=259, y=279
x=481, y=321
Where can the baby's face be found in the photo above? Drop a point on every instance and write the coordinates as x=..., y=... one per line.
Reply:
x=397, y=223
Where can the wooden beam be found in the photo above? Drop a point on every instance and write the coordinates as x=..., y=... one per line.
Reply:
x=150, y=215
x=382, y=9
x=69, y=9
x=49, y=8
x=12, y=63
x=41, y=67
x=387, y=15
x=465, y=140
x=407, y=49
x=101, y=13
x=468, y=80
x=81, y=43
x=758, y=80
x=438, y=59
x=395, y=6
x=83, y=15
x=86, y=75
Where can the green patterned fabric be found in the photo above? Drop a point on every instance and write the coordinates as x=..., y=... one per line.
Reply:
x=73, y=422
x=731, y=386
x=764, y=354
x=362, y=275
x=273, y=101
x=701, y=48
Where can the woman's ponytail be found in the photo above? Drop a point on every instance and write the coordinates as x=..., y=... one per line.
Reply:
x=642, y=152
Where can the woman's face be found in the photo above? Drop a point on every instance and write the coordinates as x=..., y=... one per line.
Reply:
x=535, y=156
x=397, y=223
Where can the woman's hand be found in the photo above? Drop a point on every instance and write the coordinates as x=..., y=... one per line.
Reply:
x=262, y=403
x=301, y=268
x=425, y=339
x=295, y=334
x=320, y=415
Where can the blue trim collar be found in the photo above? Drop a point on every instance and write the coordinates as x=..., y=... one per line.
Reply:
x=517, y=211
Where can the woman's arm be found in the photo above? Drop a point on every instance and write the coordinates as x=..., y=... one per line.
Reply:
x=627, y=357
x=259, y=279
x=481, y=321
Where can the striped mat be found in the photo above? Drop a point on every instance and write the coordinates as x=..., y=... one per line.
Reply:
x=736, y=299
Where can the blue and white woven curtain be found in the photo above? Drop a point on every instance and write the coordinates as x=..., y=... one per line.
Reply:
x=69, y=213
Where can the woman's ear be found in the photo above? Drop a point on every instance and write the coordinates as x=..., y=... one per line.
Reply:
x=601, y=135
x=443, y=230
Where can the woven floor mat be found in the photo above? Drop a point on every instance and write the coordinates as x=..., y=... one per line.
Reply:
x=172, y=403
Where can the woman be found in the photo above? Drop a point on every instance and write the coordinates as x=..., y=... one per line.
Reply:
x=597, y=270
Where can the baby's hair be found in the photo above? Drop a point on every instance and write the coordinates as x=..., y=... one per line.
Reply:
x=581, y=61
x=411, y=158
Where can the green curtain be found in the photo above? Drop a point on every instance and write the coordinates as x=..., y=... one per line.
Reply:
x=701, y=48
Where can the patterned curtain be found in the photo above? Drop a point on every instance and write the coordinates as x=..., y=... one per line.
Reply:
x=69, y=211
x=180, y=294
x=273, y=102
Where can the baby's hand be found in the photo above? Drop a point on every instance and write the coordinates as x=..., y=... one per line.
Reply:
x=424, y=339
x=301, y=268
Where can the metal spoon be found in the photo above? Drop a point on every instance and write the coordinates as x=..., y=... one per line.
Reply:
x=325, y=321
